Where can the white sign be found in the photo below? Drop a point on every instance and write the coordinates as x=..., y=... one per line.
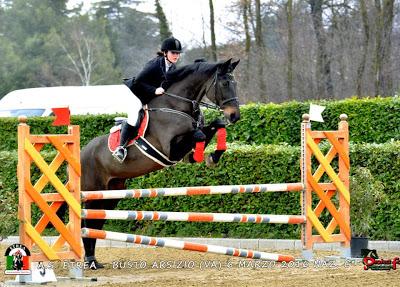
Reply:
x=316, y=113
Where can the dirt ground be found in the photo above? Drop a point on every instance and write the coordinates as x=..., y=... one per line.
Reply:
x=169, y=267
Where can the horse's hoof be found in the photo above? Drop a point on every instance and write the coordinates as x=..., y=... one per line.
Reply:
x=94, y=264
x=210, y=161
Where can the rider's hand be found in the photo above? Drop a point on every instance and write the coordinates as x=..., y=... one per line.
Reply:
x=159, y=91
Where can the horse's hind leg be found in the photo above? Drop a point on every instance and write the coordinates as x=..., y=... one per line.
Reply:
x=90, y=243
x=110, y=204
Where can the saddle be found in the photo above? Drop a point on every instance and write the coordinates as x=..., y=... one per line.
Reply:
x=139, y=140
x=115, y=131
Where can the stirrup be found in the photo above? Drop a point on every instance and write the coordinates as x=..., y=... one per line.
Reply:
x=120, y=154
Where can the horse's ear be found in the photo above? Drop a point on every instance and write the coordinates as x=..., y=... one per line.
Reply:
x=200, y=60
x=224, y=67
x=234, y=64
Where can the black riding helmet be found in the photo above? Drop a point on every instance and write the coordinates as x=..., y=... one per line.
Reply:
x=171, y=44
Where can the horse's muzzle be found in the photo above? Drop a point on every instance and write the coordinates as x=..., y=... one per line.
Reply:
x=232, y=114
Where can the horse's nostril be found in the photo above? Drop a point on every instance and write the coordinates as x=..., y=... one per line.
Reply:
x=234, y=118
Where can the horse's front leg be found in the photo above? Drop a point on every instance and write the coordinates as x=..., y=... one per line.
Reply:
x=209, y=132
x=216, y=126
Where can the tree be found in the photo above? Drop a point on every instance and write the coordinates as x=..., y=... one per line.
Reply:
x=289, y=68
x=324, y=78
x=212, y=31
x=111, y=9
x=9, y=67
x=383, y=45
x=364, y=47
x=245, y=6
x=88, y=50
x=261, y=51
x=26, y=26
x=162, y=22
x=135, y=41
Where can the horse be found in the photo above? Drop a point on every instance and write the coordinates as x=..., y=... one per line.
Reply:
x=175, y=119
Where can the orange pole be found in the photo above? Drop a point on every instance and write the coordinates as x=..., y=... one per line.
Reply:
x=344, y=175
x=68, y=147
x=23, y=173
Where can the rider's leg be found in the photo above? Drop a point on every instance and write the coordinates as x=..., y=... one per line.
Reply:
x=129, y=129
x=127, y=133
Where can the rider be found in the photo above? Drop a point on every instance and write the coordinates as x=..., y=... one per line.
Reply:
x=149, y=84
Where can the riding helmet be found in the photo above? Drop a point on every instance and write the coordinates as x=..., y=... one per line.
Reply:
x=171, y=44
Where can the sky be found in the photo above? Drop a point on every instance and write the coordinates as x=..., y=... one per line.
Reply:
x=187, y=18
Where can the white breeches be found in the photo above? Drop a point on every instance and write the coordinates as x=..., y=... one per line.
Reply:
x=134, y=105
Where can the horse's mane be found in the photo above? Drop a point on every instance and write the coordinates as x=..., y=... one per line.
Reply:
x=196, y=68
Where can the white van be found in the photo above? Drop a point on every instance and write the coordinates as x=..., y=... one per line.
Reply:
x=81, y=100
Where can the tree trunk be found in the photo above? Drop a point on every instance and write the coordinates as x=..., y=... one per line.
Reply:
x=261, y=52
x=212, y=30
x=206, y=52
x=245, y=9
x=383, y=30
x=324, y=78
x=364, y=47
x=386, y=82
x=289, y=68
x=378, y=47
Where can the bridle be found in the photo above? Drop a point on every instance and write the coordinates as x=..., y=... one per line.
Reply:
x=196, y=115
x=205, y=91
x=231, y=79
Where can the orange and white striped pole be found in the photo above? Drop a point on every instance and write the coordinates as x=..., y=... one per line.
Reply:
x=191, y=216
x=183, y=245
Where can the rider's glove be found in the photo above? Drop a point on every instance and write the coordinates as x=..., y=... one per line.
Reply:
x=159, y=91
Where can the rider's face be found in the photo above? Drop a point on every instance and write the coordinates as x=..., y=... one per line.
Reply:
x=173, y=57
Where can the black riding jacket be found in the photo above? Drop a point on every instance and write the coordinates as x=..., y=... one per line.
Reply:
x=150, y=78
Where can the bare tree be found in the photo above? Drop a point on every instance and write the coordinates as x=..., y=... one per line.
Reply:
x=289, y=67
x=324, y=79
x=246, y=9
x=212, y=31
x=82, y=60
x=364, y=47
x=261, y=51
x=383, y=30
x=328, y=54
x=245, y=6
x=88, y=52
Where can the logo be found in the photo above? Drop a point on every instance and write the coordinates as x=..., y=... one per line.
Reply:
x=17, y=260
x=372, y=261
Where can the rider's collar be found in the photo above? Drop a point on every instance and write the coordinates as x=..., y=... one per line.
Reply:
x=168, y=64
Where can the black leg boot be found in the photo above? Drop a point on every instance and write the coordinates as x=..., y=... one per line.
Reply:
x=127, y=133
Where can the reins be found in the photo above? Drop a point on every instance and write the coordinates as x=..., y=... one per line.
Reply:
x=198, y=102
x=198, y=118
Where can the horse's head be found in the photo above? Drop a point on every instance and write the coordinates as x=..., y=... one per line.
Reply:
x=225, y=95
x=216, y=81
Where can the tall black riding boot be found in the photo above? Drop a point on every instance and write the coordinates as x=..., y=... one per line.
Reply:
x=127, y=133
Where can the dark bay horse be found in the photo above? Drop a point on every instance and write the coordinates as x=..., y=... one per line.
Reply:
x=174, y=118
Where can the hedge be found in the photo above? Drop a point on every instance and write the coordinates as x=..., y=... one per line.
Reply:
x=374, y=120
x=242, y=164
